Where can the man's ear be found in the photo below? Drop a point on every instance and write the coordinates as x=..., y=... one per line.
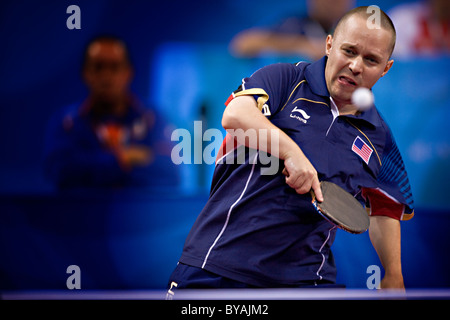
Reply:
x=329, y=43
x=388, y=66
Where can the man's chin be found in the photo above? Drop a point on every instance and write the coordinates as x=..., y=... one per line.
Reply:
x=342, y=97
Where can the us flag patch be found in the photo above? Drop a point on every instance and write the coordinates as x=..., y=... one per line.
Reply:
x=362, y=149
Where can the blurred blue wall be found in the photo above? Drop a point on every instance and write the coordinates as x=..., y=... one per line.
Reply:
x=133, y=239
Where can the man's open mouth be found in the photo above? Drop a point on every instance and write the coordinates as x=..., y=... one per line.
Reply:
x=346, y=80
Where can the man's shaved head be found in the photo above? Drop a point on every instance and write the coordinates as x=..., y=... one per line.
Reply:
x=363, y=12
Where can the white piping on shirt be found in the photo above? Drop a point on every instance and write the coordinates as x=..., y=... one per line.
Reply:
x=229, y=212
x=334, y=112
x=225, y=155
x=323, y=256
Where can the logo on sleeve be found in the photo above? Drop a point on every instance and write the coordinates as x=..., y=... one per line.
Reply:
x=265, y=110
x=362, y=149
x=303, y=117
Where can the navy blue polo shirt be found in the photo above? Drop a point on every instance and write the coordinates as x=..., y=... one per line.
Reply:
x=258, y=230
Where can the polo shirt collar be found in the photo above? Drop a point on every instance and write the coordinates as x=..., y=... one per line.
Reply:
x=318, y=86
x=315, y=76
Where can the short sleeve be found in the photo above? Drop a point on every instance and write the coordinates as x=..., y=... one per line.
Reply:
x=393, y=196
x=270, y=86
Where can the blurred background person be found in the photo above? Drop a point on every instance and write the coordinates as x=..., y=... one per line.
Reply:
x=110, y=139
x=297, y=35
x=423, y=28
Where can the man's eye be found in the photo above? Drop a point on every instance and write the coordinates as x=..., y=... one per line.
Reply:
x=348, y=51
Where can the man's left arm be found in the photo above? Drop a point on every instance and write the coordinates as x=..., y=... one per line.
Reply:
x=385, y=236
x=390, y=203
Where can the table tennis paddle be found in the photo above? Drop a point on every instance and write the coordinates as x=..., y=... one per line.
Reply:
x=341, y=209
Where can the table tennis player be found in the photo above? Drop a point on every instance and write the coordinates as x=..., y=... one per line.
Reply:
x=261, y=230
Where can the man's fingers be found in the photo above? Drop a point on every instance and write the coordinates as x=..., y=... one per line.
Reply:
x=301, y=182
x=317, y=190
x=302, y=178
x=305, y=188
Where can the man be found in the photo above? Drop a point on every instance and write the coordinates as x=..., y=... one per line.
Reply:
x=110, y=140
x=260, y=230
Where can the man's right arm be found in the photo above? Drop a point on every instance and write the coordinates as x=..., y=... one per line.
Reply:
x=242, y=113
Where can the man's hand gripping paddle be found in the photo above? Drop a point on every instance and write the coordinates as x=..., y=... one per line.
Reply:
x=340, y=208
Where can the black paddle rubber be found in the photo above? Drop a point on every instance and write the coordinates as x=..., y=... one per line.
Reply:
x=341, y=208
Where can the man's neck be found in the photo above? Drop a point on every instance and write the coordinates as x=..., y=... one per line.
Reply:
x=345, y=108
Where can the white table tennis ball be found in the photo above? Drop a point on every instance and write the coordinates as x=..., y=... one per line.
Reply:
x=362, y=98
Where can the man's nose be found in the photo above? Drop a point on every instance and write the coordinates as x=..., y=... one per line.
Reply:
x=356, y=65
